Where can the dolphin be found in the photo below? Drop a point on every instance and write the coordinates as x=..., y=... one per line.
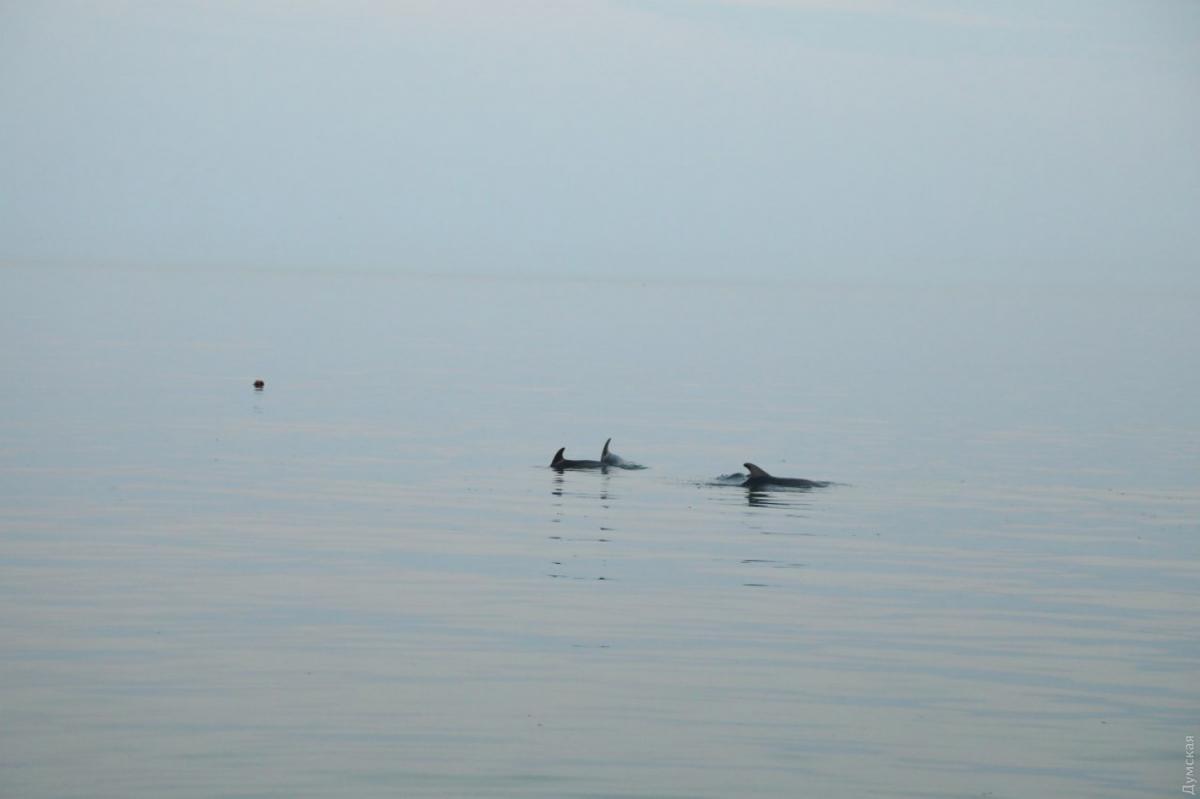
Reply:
x=610, y=458
x=560, y=462
x=759, y=478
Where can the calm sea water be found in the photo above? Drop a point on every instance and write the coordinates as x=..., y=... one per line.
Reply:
x=365, y=581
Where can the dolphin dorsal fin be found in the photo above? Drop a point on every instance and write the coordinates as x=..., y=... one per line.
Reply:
x=558, y=456
x=755, y=471
x=604, y=452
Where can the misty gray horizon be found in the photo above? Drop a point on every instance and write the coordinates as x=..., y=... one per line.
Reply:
x=865, y=140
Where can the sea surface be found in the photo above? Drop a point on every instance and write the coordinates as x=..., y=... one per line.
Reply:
x=365, y=581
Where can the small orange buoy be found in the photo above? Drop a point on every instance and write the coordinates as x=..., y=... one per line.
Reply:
x=258, y=385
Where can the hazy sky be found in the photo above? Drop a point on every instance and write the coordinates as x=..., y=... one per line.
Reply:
x=856, y=138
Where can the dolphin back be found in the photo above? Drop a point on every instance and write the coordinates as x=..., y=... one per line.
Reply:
x=758, y=477
x=610, y=458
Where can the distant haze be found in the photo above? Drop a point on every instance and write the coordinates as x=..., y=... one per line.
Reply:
x=866, y=139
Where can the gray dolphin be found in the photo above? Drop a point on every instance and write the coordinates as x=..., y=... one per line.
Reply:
x=759, y=478
x=610, y=458
x=560, y=462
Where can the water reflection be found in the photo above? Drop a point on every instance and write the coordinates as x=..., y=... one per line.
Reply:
x=759, y=497
x=560, y=489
